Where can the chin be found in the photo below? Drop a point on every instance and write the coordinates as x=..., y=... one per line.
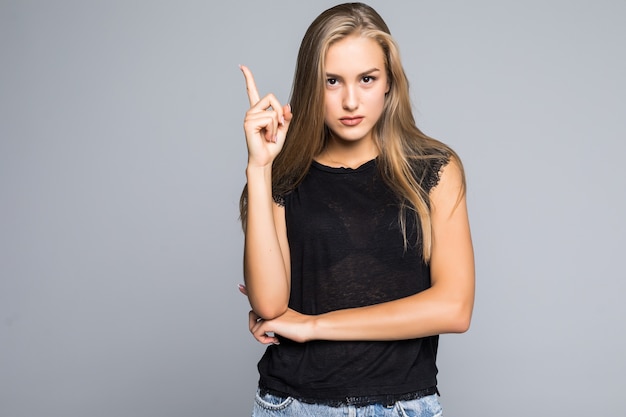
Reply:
x=351, y=135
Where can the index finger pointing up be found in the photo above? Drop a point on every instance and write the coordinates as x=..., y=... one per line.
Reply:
x=253, y=93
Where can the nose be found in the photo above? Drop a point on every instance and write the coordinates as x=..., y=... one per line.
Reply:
x=350, y=100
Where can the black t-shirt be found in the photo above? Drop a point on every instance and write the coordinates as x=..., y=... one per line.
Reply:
x=347, y=250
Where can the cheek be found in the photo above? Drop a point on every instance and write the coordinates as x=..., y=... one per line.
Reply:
x=378, y=100
x=328, y=111
x=330, y=104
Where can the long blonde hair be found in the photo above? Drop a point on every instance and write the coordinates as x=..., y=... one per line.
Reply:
x=401, y=144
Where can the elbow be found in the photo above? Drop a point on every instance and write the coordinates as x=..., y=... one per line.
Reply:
x=461, y=324
x=461, y=321
x=268, y=311
x=267, y=303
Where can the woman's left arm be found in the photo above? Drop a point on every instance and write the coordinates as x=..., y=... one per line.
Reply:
x=446, y=307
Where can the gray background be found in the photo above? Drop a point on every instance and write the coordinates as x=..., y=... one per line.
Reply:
x=122, y=158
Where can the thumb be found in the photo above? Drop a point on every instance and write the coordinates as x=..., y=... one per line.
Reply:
x=283, y=125
x=287, y=114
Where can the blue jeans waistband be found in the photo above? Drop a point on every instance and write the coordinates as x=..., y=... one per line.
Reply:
x=358, y=401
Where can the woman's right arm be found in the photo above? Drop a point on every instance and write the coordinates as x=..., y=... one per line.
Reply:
x=266, y=251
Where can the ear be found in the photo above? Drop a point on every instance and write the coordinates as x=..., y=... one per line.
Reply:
x=388, y=87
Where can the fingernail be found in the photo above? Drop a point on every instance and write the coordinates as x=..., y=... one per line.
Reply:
x=282, y=120
x=275, y=138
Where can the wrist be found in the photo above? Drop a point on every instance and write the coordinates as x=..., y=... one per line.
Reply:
x=313, y=328
x=258, y=170
x=262, y=174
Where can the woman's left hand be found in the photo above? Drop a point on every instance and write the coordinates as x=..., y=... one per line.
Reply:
x=292, y=325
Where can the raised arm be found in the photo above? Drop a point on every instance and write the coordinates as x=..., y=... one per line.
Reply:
x=446, y=307
x=266, y=252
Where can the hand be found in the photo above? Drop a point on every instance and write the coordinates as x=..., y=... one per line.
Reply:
x=254, y=319
x=292, y=325
x=266, y=124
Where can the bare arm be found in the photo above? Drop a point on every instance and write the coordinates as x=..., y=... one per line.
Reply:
x=266, y=258
x=266, y=254
x=446, y=307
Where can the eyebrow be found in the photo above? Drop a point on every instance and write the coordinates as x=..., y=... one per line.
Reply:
x=364, y=73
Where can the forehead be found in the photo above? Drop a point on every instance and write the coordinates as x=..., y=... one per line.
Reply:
x=354, y=54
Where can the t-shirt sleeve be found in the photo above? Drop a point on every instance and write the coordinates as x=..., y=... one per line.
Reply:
x=433, y=172
x=279, y=199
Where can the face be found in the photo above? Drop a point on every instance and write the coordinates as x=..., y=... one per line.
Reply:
x=356, y=84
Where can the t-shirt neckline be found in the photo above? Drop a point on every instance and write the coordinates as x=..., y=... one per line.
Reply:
x=344, y=170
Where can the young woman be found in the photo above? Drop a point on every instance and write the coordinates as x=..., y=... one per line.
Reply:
x=357, y=241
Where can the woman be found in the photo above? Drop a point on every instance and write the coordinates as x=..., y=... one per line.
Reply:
x=357, y=243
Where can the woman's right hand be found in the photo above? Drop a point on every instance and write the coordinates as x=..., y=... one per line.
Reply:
x=266, y=124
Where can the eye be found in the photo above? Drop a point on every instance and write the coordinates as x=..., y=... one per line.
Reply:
x=331, y=81
x=368, y=79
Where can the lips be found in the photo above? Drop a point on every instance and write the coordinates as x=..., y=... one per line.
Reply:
x=351, y=121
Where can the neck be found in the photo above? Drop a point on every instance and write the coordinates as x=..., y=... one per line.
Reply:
x=344, y=154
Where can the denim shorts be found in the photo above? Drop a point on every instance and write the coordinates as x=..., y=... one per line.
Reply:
x=268, y=405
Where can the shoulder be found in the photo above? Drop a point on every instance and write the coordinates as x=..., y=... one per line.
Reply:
x=450, y=173
x=436, y=166
x=279, y=199
x=283, y=189
x=428, y=167
x=449, y=190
